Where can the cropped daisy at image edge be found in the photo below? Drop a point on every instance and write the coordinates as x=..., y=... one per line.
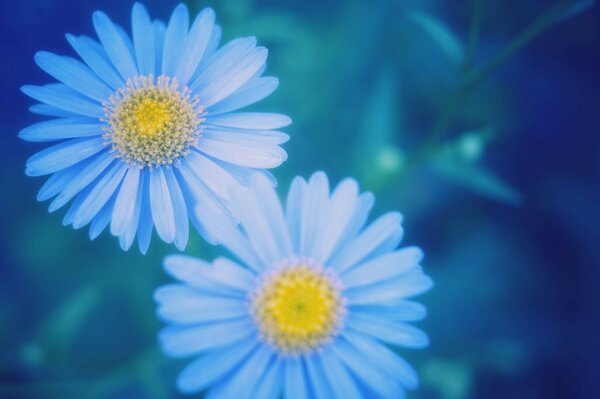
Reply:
x=148, y=125
x=316, y=303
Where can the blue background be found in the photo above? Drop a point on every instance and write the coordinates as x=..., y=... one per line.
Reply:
x=504, y=199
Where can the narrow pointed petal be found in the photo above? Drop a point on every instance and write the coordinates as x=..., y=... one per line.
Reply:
x=62, y=128
x=251, y=92
x=210, y=367
x=296, y=380
x=116, y=48
x=250, y=120
x=368, y=241
x=99, y=195
x=74, y=74
x=125, y=202
x=86, y=176
x=244, y=380
x=161, y=205
x=180, y=213
x=63, y=155
x=195, y=45
x=143, y=39
x=175, y=39
x=65, y=98
x=94, y=55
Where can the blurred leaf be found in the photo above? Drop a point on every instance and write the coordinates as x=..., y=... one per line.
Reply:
x=441, y=35
x=559, y=11
x=576, y=8
x=376, y=154
x=66, y=320
x=471, y=145
x=475, y=177
x=453, y=379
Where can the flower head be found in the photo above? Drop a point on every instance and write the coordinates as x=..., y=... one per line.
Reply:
x=312, y=307
x=148, y=127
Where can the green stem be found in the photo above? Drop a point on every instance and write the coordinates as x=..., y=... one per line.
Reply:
x=474, y=29
x=472, y=79
x=537, y=27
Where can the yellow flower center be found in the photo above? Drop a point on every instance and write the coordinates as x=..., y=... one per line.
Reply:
x=298, y=308
x=152, y=123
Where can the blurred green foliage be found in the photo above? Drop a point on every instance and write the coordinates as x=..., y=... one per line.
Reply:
x=385, y=91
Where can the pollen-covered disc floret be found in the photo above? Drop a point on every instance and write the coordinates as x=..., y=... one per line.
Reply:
x=152, y=122
x=298, y=307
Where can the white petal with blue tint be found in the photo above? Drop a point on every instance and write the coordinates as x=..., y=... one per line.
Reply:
x=341, y=209
x=63, y=155
x=211, y=48
x=269, y=386
x=63, y=128
x=74, y=74
x=186, y=341
x=50, y=110
x=228, y=234
x=116, y=48
x=161, y=205
x=296, y=382
x=248, y=154
x=242, y=382
x=75, y=205
x=132, y=222
x=185, y=305
x=100, y=222
x=314, y=206
x=85, y=176
x=242, y=71
x=383, y=268
x=243, y=136
x=385, y=359
x=222, y=61
x=94, y=55
x=387, y=330
x=357, y=222
x=198, y=196
x=321, y=386
x=217, y=179
x=367, y=241
x=126, y=200
x=402, y=310
x=100, y=194
x=195, y=45
x=223, y=275
x=251, y=92
x=293, y=209
x=390, y=292
x=180, y=215
x=65, y=98
x=175, y=39
x=160, y=30
x=261, y=215
x=144, y=233
x=363, y=368
x=343, y=384
x=58, y=181
x=143, y=39
x=211, y=366
x=250, y=120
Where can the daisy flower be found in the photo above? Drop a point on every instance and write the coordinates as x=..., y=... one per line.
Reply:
x=311, y=307
x=148, y=126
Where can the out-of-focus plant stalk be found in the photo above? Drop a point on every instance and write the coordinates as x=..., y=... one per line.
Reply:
x=537, y=27
x=474, y=76
x=473, y=40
